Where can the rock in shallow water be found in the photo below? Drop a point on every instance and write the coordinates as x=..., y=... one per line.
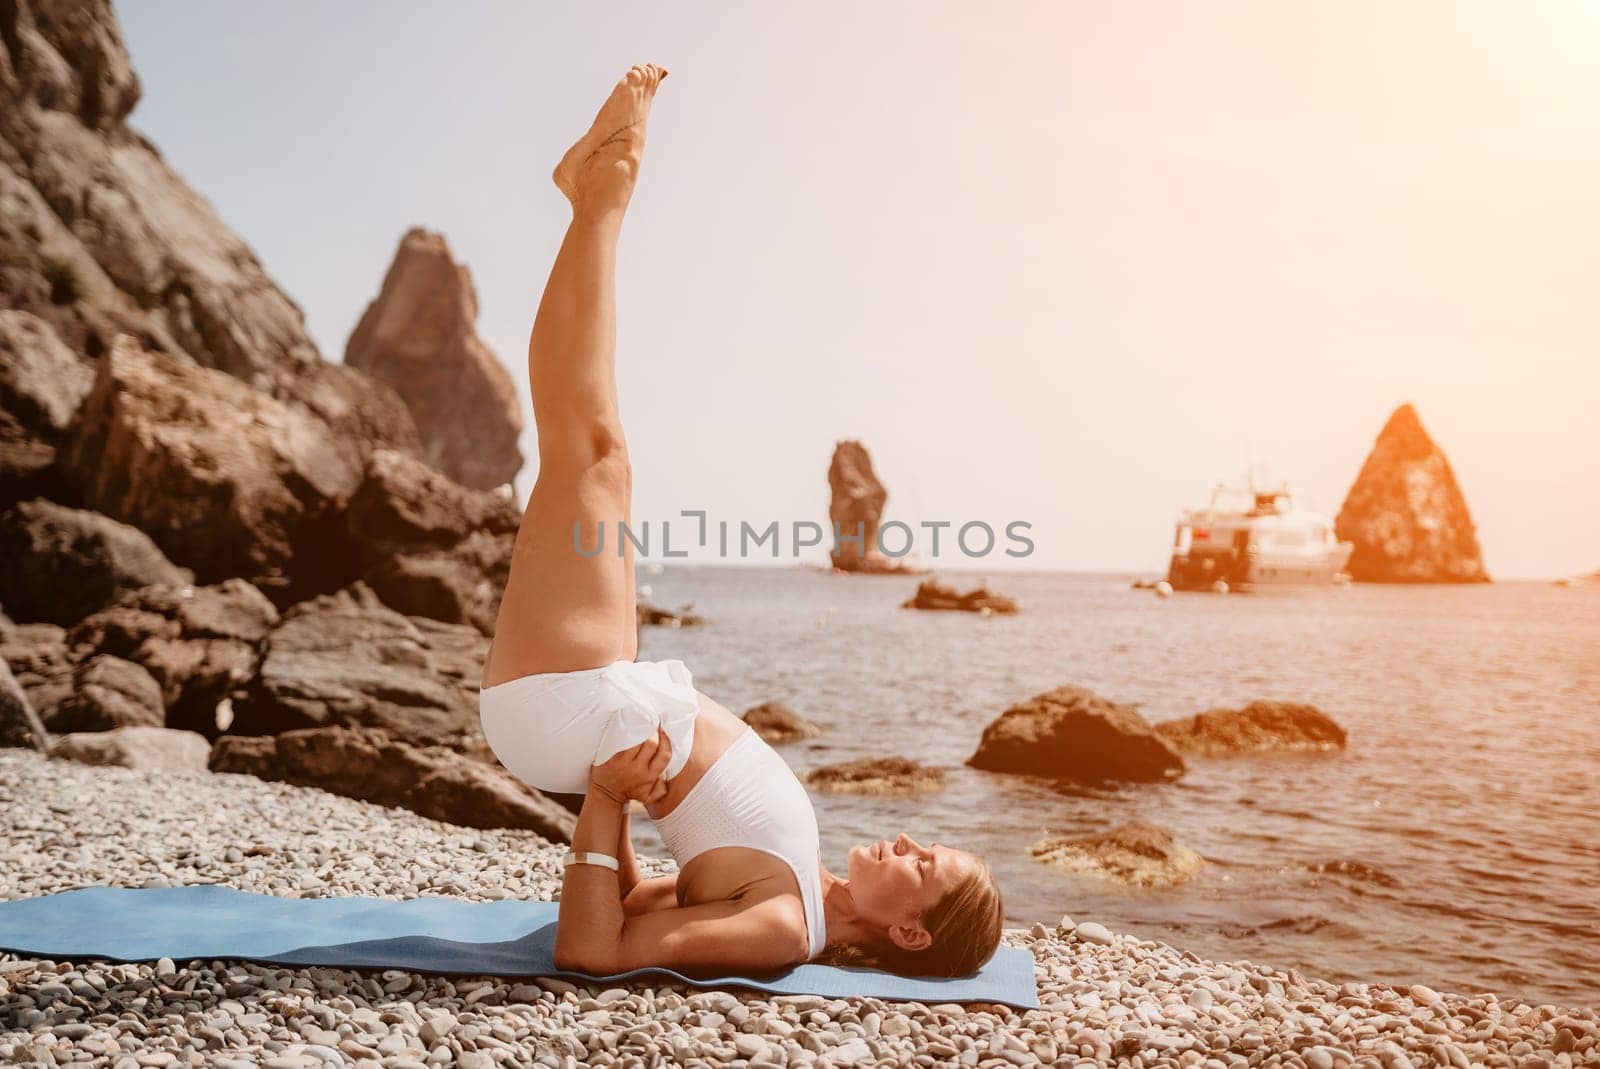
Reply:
x=1260, y=727
x=1137, y=854
x=876, y=775
x=1073, y=734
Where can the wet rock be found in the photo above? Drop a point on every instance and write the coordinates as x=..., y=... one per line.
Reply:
x=370, y=764
x=936, y=596
x=60, y=564
x=429, y=547
x=776, y=723
x=226, y=480
x=1406, y=515
x=1260, y=727
x=108, y=693
x=655, y=616
x=876, y=775
x=1137, y=854
x=136, y=747
x=198, y=642
x=346, y=659
x=19, y=723
x=1073, y=734
x=418, y=336
x=855, y=507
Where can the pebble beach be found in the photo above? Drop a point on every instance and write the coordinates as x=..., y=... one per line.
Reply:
x=1107, y=998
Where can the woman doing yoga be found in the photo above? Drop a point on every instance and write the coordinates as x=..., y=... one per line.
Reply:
x=567, y=709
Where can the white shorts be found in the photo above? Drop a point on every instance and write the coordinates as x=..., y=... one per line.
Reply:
x=549, y=729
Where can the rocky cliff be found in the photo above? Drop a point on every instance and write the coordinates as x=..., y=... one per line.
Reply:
x=418, y=336
x=99, y=236
x=204, y=526
x=1406, y=515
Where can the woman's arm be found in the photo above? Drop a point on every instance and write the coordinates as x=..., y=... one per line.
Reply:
x=627, y=863
x=589, y=923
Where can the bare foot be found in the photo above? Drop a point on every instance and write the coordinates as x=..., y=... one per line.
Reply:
x=599, y=171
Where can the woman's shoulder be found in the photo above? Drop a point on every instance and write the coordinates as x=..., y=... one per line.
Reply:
x=761, y=884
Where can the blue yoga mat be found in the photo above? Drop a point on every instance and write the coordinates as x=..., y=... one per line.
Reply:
x=439, y=935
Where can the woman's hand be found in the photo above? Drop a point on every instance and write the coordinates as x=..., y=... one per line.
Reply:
x=634, y=773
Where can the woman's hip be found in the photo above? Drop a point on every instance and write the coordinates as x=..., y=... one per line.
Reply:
x=549, y=729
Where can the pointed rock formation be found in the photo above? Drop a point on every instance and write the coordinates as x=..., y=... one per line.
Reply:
x=419, y=337
x=855, y=507
x=1406, y=514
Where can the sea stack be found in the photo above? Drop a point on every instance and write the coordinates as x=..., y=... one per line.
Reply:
x=419, y=336
x=1406, y=514
x=855, y=506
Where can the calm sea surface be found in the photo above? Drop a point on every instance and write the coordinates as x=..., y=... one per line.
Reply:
x=1455, y=843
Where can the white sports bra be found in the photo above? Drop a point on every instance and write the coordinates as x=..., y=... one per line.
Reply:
x=750, y=797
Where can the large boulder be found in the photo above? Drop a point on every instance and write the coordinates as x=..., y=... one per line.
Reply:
x=419, y=337
x=39, y=659
x=199, y=643
x=59, y=564
x=1075, y=735
x=1260, y=727
x=158, y=748
x=108, y=693
x=428, y=546
x=855, y=507
x=19, y=724
x=346, y=659
x=367, y=763
x=1136, y=854
x=42, y=383
x=1406, y=514
x=226, y=480
x=776, y=723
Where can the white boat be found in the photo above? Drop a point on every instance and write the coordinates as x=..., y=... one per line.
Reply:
x=1249, y=537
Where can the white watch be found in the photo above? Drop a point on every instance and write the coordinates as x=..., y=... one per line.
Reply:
x=589, y=857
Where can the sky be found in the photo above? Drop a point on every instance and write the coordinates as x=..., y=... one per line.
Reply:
x=1069, y=264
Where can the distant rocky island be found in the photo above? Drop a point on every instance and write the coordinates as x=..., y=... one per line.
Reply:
x=855, y=507
x=934, y=596
x=1406, y=514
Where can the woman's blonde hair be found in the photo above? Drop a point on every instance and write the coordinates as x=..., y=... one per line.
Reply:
x=966, y=925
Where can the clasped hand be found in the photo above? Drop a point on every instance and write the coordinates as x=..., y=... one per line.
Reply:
x=638, y=772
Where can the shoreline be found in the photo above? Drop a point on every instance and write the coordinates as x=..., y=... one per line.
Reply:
x=1105, y=998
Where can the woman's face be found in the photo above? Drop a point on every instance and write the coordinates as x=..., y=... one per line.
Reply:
x=896, y=881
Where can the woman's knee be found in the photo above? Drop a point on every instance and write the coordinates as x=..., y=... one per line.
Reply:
x=595, y=450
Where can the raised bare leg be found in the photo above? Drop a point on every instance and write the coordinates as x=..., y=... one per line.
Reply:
x=562, y=609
